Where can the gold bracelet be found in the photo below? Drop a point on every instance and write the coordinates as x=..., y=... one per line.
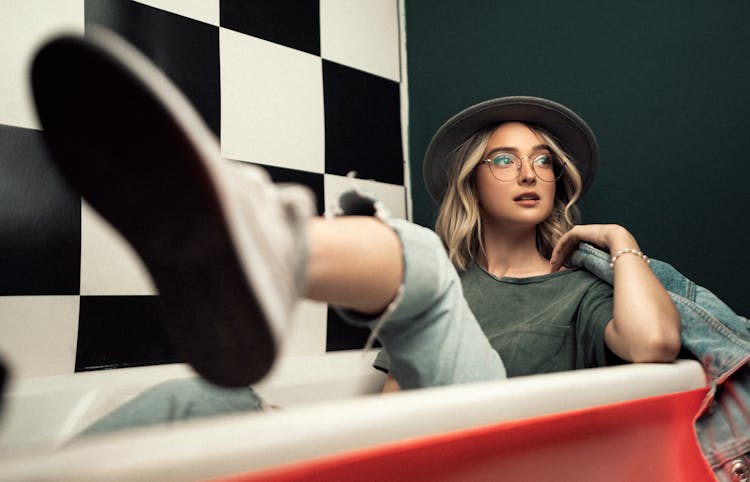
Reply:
x=628, y=251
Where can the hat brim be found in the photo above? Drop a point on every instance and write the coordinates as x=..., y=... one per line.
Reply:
x=575, y=136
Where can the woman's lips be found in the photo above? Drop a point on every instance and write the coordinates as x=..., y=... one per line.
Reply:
x=527, y=199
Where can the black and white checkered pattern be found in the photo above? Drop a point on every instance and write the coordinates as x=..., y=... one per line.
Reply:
x=310, y=90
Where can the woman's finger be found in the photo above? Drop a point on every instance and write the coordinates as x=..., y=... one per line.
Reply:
x=563, y=249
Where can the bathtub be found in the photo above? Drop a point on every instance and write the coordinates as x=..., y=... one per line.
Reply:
x=46, y=412
x=582, y=425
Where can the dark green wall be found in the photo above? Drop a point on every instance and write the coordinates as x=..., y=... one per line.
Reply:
x=664, y=84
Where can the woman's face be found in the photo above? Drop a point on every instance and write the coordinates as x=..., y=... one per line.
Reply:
x=525, y=201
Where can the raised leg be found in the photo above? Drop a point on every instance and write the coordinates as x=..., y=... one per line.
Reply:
x=224, y=248
x=395, y=278
x=355, y=262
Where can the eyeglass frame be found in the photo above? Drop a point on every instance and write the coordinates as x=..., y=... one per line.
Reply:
x=555, y=158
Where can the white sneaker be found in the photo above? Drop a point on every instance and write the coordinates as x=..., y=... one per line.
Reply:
x=226, y=248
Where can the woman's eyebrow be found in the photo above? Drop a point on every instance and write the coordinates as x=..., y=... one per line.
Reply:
x=515, y=150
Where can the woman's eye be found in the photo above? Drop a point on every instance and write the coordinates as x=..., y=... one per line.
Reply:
x=502, y=160
x=543, y=161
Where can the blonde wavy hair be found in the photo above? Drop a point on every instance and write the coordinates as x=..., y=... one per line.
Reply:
x=459, y=224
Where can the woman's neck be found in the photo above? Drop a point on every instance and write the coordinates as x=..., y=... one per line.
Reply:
x=511, y=252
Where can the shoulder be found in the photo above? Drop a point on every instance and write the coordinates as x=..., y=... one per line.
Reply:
x=584, y=289
x=589, y=279
x=585, y=286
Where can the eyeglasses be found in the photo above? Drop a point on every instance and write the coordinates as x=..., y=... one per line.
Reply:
x=506, y=166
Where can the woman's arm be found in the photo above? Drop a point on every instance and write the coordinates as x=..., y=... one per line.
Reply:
x=646, y=325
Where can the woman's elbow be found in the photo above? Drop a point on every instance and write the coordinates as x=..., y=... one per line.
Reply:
x=660, y=348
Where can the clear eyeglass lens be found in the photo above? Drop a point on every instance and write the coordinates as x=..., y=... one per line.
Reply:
x=506, y=166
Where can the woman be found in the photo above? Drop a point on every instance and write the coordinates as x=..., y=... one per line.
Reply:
x=507, y=217
x=230, y=252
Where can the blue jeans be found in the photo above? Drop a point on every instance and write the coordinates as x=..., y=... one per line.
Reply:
x=175, y=400
x=429, y=333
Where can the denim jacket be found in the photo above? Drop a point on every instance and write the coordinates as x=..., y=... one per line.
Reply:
x=720, y=340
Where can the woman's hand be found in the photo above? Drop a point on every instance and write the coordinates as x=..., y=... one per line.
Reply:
x=609, y=237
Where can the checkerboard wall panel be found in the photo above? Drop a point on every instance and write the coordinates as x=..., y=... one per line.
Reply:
x=39, y=220
x=293, y=23
x=272, y=104
x=362, y=136
x=292, y=86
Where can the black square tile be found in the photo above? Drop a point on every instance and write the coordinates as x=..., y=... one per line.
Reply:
x=310, y=179
x=362, y=124
x=119, y=332
x=40, y=220
x=340, y=335
x=293, y=23
x=185, y=49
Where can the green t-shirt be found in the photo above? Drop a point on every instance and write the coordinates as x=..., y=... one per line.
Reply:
x=540, y=324
x=545, y=323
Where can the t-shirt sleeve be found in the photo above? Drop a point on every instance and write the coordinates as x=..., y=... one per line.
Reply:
x=594, y=313
x=382, y=362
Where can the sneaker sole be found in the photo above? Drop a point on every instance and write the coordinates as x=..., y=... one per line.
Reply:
x=125, y=138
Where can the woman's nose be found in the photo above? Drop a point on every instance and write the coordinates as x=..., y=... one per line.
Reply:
x=527, y=174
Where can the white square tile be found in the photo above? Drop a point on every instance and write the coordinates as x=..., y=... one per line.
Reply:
x=271, y=104
x=38, y=334
x=392, y=196
x=109, y=265
x=307, y=330
x=23, y=25
x=203, y=10
x=363, y=34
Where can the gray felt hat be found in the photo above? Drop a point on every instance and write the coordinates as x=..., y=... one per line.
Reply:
x=575, y=136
